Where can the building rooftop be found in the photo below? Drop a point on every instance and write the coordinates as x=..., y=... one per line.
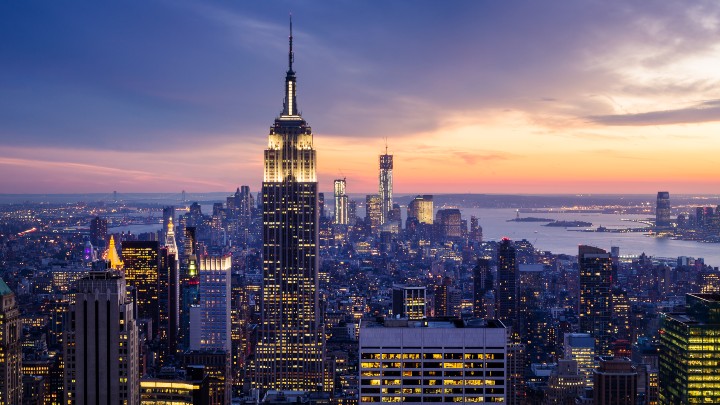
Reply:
x=432, y=323
x=4, y=289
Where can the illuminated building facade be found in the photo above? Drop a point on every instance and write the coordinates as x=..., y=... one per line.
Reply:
x=386, y=185
x=449, y=224
x=421, y=207
x=193, y=390
x=596, y=296
x=432, y=361
x=408, y=302
x=169, y=294
x=11, y=387
x=101, y=343
x=190, y=283
x=373, y=212
x=580, y=347
x=341, y=203
x=213, y=329
x=689, y=352
x=142, y=265
x=290, y=349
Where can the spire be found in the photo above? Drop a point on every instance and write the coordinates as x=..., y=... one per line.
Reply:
x=112, y=256
x=290, y=105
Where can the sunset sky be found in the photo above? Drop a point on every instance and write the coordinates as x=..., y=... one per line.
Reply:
x=472, y=96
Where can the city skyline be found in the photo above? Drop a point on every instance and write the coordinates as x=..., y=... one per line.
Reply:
x=472, y=97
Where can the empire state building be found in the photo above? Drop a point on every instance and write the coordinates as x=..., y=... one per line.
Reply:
x=290, y=350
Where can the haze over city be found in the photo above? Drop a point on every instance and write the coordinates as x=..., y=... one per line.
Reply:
x=482, y=97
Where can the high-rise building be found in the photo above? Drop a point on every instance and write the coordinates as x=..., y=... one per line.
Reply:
x=212, y=331
x=580, y=347
x=482, y=285
x=290, y=349
x=98, y=231
x=689, y=352
x=341, y=203
x=615, y=382
x=142, y=267
x=565, y=383
x=373, y=212
x=432, y=361
x=169, y=294
x=662, y=210
x=596, y=296
x=506, y=296
x=449, y=224
x=476, y=231
x=421, y=208
x=168, y=217
x=101, y=344
x=386, y=185
x=11, y=387
x=408, y=302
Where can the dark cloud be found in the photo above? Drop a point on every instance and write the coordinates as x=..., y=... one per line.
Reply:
x=708, y=111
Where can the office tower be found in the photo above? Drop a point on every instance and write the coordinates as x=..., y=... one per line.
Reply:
x=581, y=348
x=290, y=349
x=212, y=329
x=101, y=345
x=662, y=210
x=482, y=285
x=506, y=296
x=615, y=382
x=596, y=296
x=442, y=294
x=432, y=361
x=190, y=283
x=98, y=231
x=341, y=203
x=689, y=352
x=421, y=207
x=408, y=302
x=449, y=224
x=386, y=185
x=373, y=212
x=476, y=231
x=515, y=373
x=621, y=314
x=352, y=212
x=112, y=256
x=10, y=350
x=168, y=216
x=169, y=294
x=142, y=265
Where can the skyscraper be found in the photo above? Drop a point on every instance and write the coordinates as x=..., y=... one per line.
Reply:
x=506, y=297
x=596, y=296
x=142, y=267
x=386, y=185
x=290, y=349
x=615, y=382
x=341, y=203
x=373, y=212
x=689, y=352
x=482, y=284
x=11, y=391
x=98, y=231
x=421, y=207
x=662, y=210
x=213, y=329
x=169, y=293
x=101, y=346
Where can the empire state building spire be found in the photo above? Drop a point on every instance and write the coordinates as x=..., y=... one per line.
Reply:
x=290, y=104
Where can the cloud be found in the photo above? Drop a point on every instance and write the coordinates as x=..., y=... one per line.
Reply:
x=707, y=111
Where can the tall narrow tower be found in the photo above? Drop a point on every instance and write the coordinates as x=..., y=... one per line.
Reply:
x=386, y=184
x=11, y=388
x=341, y=203
x=596, y=296
x=289, y=354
